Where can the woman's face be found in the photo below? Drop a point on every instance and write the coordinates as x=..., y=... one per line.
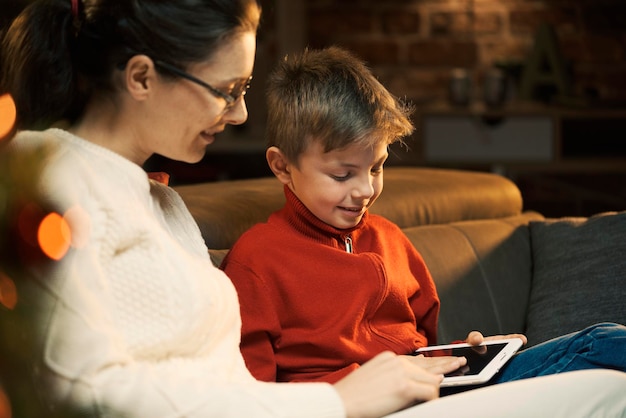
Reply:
x=185, y=116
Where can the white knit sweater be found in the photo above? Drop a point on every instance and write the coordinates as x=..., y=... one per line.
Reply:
x=137, y=322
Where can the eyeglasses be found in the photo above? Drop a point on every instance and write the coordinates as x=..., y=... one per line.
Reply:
x=239, y=90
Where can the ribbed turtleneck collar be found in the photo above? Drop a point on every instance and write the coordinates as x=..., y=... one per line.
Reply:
x=303, y=220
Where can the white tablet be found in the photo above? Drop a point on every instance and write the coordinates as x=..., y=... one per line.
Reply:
x=483, y=361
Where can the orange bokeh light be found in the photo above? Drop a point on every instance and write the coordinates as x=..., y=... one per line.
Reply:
x=8, y=292
x=54, y=236
x=28, y=221
x=8, y=114
x=5, y=405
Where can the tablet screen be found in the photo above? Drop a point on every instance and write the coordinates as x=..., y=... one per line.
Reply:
x=477, y=357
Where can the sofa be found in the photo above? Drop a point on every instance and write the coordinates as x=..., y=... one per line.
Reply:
x=498, y=267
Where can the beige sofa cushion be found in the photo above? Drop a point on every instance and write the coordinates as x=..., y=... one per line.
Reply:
x=482, y=270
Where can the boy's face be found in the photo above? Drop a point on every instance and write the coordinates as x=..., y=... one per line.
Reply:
x=338, y=186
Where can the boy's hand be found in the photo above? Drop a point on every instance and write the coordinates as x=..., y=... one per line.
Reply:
x=476, y=338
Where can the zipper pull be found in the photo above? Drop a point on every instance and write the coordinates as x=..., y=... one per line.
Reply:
x=348, y=241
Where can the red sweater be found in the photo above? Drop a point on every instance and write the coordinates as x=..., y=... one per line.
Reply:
x=313, y=311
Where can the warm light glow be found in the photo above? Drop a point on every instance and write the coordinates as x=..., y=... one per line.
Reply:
x=8, y=294
x=28, y=221
x=80, y=226
x=5, y=405
x=8, y=114
x=54, y=236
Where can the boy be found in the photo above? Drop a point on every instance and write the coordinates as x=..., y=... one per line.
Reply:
x=325, y=286
x=306, y=277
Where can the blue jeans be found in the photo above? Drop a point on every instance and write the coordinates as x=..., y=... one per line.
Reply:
x=600, y=346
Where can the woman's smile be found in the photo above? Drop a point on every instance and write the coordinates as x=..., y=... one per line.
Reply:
x=208, y=137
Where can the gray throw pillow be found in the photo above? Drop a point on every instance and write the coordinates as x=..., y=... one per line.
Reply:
x=579, y=274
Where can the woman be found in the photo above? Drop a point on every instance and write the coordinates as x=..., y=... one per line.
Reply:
x=135, y=320
x=140, y=322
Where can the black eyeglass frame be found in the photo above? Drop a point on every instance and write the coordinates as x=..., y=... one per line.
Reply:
x=230, y=99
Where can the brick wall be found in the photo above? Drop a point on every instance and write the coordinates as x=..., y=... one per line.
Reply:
x=412, y=45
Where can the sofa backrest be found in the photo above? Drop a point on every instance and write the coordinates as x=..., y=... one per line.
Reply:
x=411, y=196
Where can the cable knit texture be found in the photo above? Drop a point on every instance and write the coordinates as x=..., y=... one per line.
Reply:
x=313, y=311
x=136, y=321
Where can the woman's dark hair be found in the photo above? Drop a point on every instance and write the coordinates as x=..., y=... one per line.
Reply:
x=51, y=60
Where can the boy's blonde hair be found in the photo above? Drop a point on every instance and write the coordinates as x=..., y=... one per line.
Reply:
x=329, y=95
